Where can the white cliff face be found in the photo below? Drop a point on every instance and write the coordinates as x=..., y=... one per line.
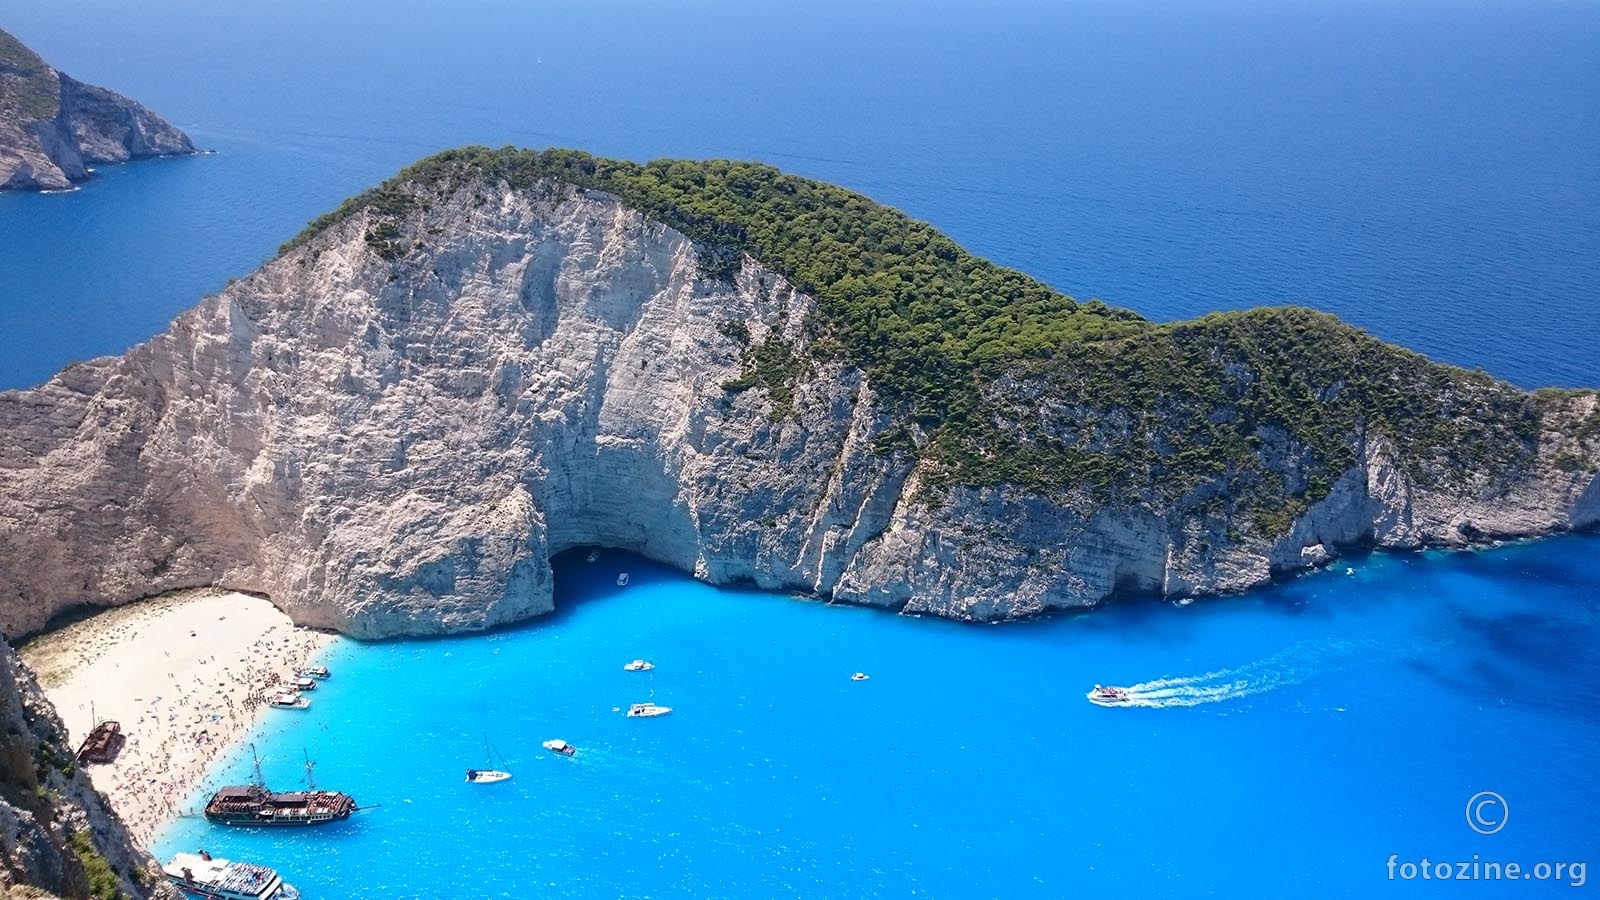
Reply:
x=394, y=447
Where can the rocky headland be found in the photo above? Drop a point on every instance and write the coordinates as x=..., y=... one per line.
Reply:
x=54, y=127
x=59, y=837
x=756, y=378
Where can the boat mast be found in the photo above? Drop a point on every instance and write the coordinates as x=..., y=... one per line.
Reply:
x=258, y=781
x=311, y=778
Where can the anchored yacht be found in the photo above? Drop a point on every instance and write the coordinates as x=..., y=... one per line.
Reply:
x=288, y=700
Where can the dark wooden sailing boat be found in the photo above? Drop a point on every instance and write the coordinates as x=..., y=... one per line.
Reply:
x=103, y=743
x=253, y=804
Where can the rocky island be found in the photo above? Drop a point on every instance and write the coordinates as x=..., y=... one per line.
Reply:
x=497, y=356
x=54, y=127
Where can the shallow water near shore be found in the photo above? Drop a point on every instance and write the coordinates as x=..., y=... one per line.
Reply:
x=1325, y=724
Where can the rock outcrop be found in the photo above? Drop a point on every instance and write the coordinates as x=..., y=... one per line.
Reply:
x=53, y=127
x=392, y=427
x=58, y=835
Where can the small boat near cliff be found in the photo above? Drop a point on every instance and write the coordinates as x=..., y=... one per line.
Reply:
x=203, y=875
x=622, y=579
x=254, y=804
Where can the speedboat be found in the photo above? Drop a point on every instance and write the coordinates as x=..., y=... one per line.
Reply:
x=557, y=745
x=303, y=684
x=313, y=672
x=288, y=700
x=647, y=710
x=1108, y=696
x=202, y=875
x=860, y=676
x=640, y=665
x=486, y=776
x=622, y=580
x=593, y=555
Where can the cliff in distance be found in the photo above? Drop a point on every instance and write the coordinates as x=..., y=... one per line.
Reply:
x=53, y=127
x=756, y=378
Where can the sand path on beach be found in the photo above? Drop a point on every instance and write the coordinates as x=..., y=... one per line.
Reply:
x=184, y=674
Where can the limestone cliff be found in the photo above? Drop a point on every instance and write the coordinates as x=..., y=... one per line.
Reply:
x=392, y=427
x=53, y=127
x=58, y=835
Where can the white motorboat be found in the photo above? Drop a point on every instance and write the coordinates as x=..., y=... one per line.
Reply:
x=203, y=875
x=860, y=676
x=288, y=700
x=593, y=556
x=489, y=776
x=303, y=684
x=1109, y=696
x=647, y=710
x=557, y=745
x=313, y=672
x=622, y=580
x=640, y=665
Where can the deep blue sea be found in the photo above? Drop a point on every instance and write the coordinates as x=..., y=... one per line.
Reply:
x=1426, y=169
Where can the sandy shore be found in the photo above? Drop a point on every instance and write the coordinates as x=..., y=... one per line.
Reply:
x=184, y=674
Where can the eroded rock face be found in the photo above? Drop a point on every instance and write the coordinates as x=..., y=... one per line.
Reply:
x=391, y=433
x=53, y=127
x=45, y=802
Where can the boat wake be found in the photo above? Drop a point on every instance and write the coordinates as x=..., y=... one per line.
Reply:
x=1290, y=666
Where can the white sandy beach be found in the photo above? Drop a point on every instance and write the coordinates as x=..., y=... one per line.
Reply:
x=183, y=674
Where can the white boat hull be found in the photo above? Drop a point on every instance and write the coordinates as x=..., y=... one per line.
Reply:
x=488, y=776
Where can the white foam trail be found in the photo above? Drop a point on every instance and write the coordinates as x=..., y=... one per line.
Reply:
x=1289, y=666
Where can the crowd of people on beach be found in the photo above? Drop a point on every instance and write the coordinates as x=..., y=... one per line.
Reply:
x=178, y=728
x=185, y=729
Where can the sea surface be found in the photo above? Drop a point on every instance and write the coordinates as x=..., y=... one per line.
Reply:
x=1286, y=744
x=1423, y=168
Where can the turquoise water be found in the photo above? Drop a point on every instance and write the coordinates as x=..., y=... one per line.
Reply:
x=1336, y=720
x=1424, y=168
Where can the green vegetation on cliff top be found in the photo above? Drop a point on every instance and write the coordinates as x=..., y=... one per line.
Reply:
x=27, y=92
x=1012, y=382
